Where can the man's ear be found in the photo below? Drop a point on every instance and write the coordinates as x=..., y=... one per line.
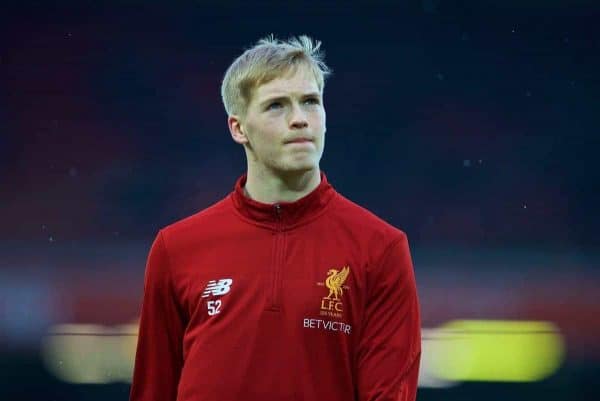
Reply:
x=237, y=131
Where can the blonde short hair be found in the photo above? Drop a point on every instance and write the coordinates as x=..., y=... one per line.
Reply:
x=270, y=58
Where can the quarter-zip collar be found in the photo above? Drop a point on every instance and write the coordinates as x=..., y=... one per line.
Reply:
x=283, y=215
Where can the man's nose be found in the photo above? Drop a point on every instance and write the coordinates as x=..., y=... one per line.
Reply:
x=298, y=118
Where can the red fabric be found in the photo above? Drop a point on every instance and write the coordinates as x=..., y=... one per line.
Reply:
x=280, y=332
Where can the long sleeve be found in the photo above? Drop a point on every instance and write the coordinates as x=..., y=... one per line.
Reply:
x=159, y=355
x=390, y=344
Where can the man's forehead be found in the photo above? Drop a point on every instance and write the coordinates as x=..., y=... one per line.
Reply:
x=299, y=83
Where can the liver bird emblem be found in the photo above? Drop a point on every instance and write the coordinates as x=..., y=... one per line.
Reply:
x=335, y=280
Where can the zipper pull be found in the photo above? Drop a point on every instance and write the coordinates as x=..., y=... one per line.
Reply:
x=278, y=210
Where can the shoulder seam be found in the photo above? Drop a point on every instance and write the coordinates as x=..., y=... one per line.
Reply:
x=169, y=270
x=168, y=257
x=389, y=247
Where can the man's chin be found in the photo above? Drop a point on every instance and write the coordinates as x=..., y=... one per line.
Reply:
x=300, y=168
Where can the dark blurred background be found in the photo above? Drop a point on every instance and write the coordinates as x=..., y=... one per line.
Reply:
x=471, y=125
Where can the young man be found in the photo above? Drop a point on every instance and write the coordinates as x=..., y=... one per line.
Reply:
x=284, y=290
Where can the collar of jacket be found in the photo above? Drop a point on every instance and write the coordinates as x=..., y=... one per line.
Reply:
x=283, y=215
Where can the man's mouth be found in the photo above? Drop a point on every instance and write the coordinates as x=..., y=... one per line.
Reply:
x=299, y=140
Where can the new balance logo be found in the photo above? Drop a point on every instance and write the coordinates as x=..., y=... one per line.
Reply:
x=220, y=287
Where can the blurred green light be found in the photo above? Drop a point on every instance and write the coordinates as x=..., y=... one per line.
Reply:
x=512, y=351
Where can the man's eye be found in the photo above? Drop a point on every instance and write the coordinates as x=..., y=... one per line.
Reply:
x=312, y=100
x=274, y=105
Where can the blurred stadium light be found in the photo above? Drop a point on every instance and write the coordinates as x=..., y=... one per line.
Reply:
x=89, y=353
x=488, y=350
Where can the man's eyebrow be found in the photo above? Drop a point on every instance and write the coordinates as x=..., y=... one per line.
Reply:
x=304, y=96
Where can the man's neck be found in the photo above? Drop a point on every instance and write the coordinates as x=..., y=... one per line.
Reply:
x=270, y=188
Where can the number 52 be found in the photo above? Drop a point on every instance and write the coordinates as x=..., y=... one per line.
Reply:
x=214, y=307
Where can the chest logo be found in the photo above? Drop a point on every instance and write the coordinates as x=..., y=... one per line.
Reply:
x=332, y=305
x=216, y=288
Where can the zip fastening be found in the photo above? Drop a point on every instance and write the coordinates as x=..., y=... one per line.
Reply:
x=279, y=251
x=277, y=207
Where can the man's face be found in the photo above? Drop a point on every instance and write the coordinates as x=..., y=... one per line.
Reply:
x=285, y=123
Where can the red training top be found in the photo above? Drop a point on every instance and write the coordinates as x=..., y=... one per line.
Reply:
x=307, y=300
